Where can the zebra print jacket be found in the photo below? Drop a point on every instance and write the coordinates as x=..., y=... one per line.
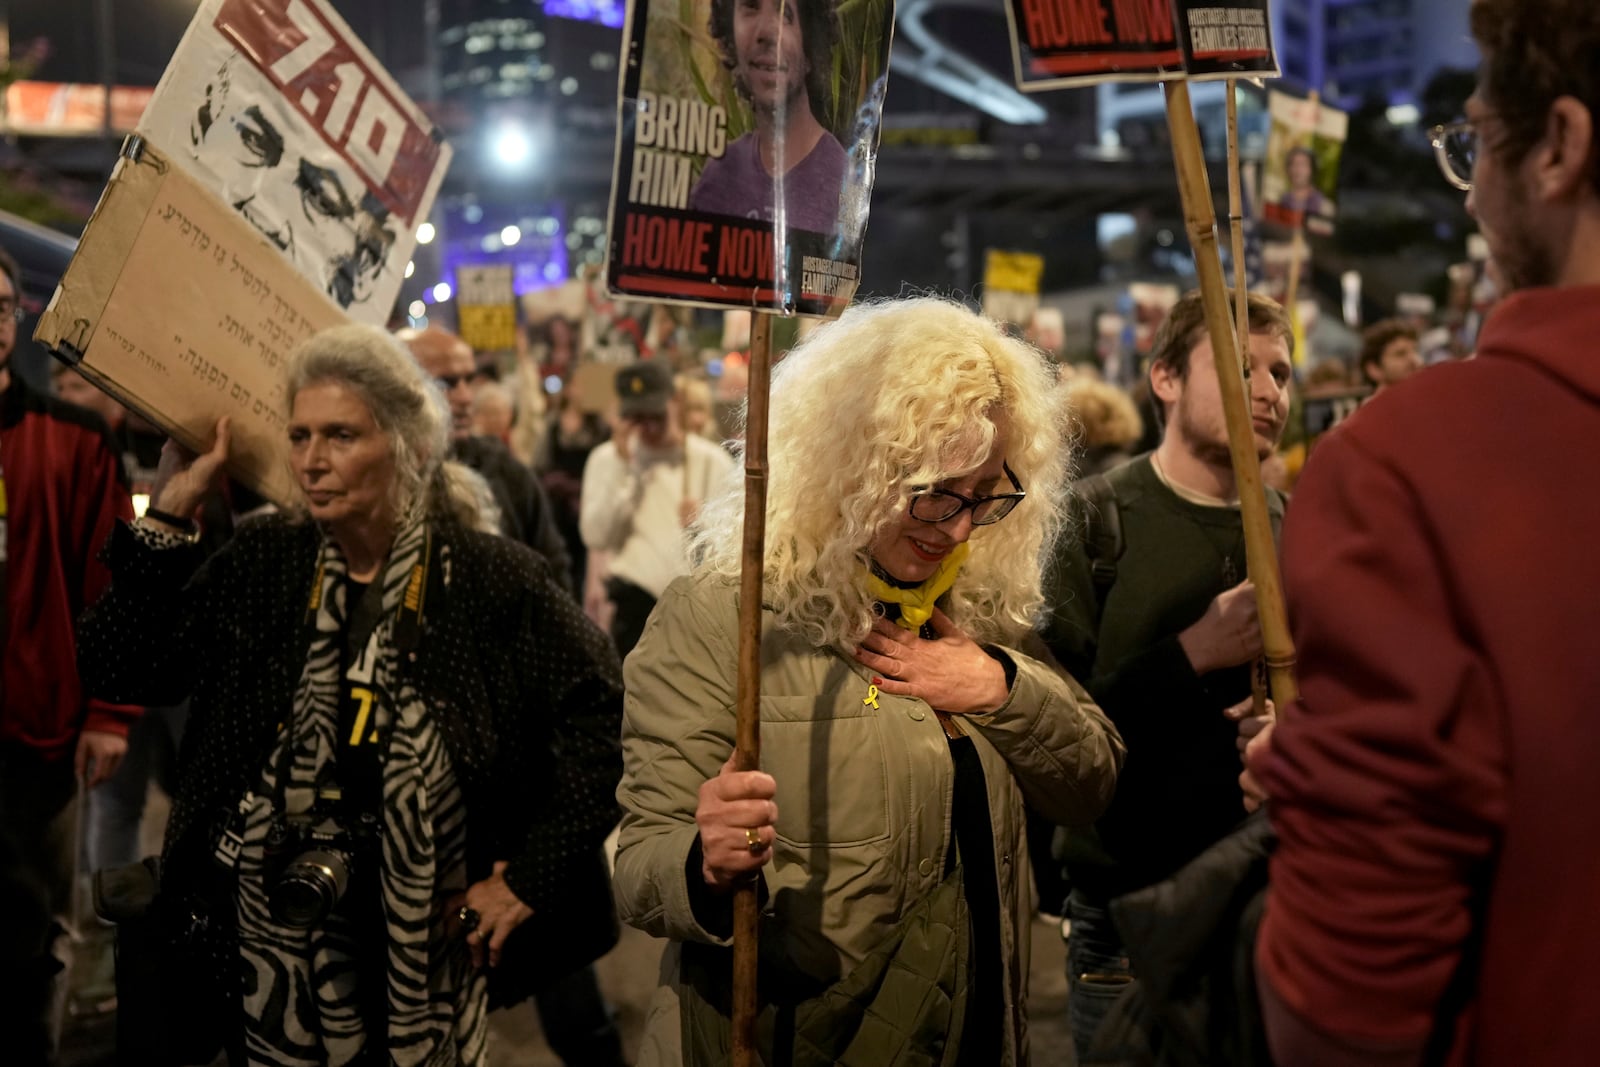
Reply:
x=527, y=691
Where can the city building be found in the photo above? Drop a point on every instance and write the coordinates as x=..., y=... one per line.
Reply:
x=1355, y=50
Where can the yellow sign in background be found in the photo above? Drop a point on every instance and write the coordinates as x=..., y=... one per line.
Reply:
x=486, y=307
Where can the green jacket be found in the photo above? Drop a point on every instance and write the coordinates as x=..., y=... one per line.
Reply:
x=863, y=805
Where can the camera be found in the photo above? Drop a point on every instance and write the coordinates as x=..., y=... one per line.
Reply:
x=311, y=859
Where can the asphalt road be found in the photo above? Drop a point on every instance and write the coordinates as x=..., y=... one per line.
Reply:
x=629, y=974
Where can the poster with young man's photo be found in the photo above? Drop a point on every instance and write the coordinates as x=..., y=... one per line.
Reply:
x=1300, y=173
x=747, y=135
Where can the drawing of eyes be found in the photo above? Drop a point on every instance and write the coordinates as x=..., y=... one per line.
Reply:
x=260, y=138
x=322, y=193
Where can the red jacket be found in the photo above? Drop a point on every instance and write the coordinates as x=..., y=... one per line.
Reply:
x=65, y=492
x=1437, y=786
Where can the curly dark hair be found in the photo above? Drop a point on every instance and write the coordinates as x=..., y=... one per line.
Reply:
x=1379, y=336
x=819, y=36
x=1534, y=53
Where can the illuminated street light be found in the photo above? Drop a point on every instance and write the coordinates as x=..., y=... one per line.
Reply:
x=425, y=233
x=411, y=267
x=441, y=292
x=510, y=146
x=417, y=309
x=510, y=236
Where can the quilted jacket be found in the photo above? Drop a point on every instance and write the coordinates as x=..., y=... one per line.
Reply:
x=864, y=793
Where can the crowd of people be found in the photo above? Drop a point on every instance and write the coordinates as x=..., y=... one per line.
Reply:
x=1009, y=664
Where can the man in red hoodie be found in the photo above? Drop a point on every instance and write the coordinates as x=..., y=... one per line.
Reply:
x=61, y=491
x=1437, y=786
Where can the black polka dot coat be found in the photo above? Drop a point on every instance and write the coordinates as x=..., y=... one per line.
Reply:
x=526, y=691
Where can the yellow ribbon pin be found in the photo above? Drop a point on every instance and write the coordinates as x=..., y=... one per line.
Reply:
x=872, y=696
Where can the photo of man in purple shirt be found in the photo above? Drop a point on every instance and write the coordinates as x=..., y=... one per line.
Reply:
x=779, y=52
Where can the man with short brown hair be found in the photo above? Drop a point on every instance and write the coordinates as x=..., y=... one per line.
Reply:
x=1159, y=623
x=1436, y=788
x=1389, y=353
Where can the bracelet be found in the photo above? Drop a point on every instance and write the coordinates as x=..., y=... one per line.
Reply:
x=191, y=528
x=167, y=518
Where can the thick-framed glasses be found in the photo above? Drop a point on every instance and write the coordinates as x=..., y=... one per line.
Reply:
x=939, y=505
x=1455, y=146
x=11, y=311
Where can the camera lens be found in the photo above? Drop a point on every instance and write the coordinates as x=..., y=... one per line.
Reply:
x=308, y=888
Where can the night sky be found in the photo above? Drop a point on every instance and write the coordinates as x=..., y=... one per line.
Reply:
x=148, y=31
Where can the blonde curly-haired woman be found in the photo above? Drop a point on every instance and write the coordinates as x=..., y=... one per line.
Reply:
x=917, y=468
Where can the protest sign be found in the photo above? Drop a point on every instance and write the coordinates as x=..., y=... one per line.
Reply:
x=486, y=307
x=180, y=309
x=277, y=108
x=1324, y=409
x=745, y=161
x=1011, y=285
x=1230, y=39
x=1060, y=43
x=1300, y=175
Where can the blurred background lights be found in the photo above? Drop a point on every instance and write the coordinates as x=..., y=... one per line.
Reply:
x=510, y=145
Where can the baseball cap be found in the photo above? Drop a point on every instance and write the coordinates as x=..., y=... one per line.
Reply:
x=643, y=389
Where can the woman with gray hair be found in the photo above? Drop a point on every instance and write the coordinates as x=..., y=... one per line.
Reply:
x=367, y=809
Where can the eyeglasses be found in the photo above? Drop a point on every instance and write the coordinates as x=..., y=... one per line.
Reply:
x=939, y=505
x=11, y=311
x=448, y=382
x=1455, y=146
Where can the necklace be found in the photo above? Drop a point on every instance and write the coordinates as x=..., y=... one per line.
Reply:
x=1193, y=496
x=1230, y=571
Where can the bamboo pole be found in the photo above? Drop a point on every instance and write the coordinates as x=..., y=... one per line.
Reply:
x=1241, y=293
x=1260, y=550
x=747, y=730
x=1241, y=313
x=1297, y=253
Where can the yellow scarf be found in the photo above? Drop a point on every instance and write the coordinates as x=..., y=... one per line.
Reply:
x=916, y=604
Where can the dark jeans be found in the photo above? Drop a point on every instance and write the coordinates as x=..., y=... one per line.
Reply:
x=577, y=1024
x=1097, y=968
x=116, y=807
x=36, y=813
x=633, y=606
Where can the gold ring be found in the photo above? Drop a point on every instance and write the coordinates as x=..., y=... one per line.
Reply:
x=752, y=838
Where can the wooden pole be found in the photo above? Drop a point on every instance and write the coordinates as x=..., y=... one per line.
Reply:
x=747, y=729
x=1260, y=549
x=1241, y=311
x=1241, y=293
x=1297, y=252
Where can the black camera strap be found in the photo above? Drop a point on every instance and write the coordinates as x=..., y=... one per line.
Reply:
x=288, y=798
